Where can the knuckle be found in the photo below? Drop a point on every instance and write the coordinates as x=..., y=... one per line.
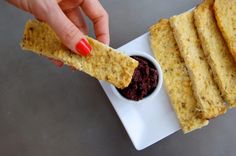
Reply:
x=42, y=11
x=105, y=14
x=70, y=33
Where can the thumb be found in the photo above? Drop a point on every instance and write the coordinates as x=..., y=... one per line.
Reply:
x=69, y=34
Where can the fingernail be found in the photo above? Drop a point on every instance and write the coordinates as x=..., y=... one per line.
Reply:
x=83, y=47
x=56, y=62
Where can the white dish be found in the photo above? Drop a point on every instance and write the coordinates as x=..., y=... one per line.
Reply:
x=149, y=121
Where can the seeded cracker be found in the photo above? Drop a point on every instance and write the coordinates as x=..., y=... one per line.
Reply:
x=225, y=12
x=176, y=78
x=104, y=63
x=205, y=89
x=216, y=50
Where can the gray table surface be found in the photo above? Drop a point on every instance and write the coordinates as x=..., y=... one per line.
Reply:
x=46, y=111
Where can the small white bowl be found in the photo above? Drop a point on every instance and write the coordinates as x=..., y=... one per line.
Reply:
x=159, y=84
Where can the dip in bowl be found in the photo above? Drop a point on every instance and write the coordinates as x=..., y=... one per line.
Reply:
x=146, y=81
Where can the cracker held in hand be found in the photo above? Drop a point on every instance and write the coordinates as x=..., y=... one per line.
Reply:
x=225, y=12
x=216, y=50
x=104, y=63
x=176, y=78
x=205, y=89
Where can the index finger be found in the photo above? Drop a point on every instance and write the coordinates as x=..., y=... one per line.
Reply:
x=98, y=15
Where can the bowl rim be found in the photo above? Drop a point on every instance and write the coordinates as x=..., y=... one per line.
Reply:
x=160, y=78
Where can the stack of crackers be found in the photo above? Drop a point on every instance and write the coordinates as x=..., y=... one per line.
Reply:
x=197, y=53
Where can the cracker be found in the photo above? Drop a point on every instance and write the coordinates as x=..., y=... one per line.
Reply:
x=205, y=89
x=216, y=51
x=104, y=63
x=176, y=78
x=225, y=12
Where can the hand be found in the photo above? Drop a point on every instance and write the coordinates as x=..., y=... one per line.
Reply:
x=66, y=19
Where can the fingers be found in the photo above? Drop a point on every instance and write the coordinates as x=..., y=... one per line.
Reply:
x=76, y=16
x=19, y=4
x=94, y=10
x=70, y=35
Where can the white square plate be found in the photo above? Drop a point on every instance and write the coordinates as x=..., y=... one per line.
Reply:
x=149, y=121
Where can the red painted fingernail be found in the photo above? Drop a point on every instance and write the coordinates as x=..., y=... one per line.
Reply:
x=83, y=47
x=56, y=62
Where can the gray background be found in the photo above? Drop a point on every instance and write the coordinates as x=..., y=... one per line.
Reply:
x=47, y=111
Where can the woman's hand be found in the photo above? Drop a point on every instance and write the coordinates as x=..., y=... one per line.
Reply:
x=66, y=19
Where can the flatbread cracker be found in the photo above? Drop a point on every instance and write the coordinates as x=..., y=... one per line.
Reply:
x=225, y=13
x=104, y=63
x=176, y=78
x=205, y=89
x=216, y=51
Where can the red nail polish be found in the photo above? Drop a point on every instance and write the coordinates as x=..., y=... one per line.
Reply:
x=57, y=62
x=83, y=47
